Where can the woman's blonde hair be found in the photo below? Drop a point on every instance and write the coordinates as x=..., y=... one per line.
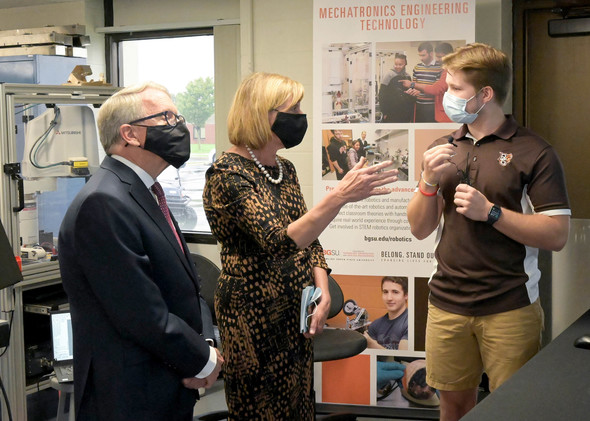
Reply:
x=482, y=65
x=124, y=106
x=258, y=94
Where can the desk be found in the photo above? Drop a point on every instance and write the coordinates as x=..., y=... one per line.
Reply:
x=553, y=385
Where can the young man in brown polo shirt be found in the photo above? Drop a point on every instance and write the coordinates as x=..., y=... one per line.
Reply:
x=496, y=192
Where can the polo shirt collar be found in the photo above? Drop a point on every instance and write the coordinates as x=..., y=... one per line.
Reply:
x=506, y=131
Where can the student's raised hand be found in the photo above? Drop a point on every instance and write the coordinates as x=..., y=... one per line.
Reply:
x=436, y=159
x=471, y=203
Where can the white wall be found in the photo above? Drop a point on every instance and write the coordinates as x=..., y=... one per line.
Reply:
x=158, y=12
x=570, y=292
x=283, y=43
x=94, y=18
x=66, y=13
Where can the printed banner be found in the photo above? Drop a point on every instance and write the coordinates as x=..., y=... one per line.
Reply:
x=378, y=87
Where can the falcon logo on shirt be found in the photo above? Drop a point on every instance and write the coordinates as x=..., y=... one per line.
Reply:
x=504, y=158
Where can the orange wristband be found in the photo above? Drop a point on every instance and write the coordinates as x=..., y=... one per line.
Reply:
x=425, y=193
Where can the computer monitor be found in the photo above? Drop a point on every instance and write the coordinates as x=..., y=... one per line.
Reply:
x=61, y=336
x=62, y=342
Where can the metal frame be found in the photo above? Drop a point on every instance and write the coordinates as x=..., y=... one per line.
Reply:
x=12, y=363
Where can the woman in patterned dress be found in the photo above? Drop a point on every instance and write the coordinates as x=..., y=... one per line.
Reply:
x=270, y=251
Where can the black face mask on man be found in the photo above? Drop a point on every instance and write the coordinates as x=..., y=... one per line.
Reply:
x=290, y=128
x=171, y=143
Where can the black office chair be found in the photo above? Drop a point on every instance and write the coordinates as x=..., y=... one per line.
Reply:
x=209, y=274
x=336, y=344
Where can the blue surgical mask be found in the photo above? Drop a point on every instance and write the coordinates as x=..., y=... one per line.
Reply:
x=455, y=109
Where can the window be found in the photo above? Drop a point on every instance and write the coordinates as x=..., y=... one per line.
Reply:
x=183, y=63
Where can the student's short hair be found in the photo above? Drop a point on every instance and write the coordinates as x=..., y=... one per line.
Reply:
x=483, y=65
x=400, y=280
x=258, y=94
x=122, y=107
x=425, y=46
x=443, y=48
x=401, y=56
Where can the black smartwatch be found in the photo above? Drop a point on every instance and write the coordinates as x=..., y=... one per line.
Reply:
x=494, y=214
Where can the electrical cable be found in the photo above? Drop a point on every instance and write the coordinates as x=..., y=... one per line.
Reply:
x=6, y=400
x=24, y=108
x=41, y=140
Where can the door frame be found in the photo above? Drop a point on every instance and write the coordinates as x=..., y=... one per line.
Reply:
x=520, y=8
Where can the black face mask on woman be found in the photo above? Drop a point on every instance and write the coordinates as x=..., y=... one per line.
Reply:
x=171, y=143
x=290, y=128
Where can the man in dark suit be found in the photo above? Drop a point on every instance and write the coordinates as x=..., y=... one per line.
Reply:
x=134, y=293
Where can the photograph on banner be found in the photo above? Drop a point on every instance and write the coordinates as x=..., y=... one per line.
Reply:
x=410, y=81
x=401, y=383
x=343, y=148
x=347, y=381
x=346, y=81
x=390, y=331
x=389, y=310
x=336, y=143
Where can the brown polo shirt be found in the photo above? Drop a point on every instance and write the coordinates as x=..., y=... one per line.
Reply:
x=479, y=270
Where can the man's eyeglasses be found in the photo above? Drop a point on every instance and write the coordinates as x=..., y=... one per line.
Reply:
x=171, y=119
x=463, y=174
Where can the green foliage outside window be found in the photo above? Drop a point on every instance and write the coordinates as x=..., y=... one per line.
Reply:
x=197, y=103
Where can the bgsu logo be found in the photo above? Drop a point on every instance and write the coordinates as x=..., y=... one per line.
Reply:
x=504, y=158
x=331, y=252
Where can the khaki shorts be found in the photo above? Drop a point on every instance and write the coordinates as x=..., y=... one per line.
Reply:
x=459, y=348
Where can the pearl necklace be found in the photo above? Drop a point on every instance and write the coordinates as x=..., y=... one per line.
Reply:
x=272, y=180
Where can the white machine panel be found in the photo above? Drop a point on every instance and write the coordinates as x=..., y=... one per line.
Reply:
x=50, y=141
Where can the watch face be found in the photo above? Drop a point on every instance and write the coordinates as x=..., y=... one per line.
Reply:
x=494, y=214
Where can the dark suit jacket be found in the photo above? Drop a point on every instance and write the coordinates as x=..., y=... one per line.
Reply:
x=134, y=299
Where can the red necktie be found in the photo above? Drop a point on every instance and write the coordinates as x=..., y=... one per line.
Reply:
x=159, y=192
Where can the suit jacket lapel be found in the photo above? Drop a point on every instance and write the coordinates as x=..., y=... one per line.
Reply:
x=144, y=198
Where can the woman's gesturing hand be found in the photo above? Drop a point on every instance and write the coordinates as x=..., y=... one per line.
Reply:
x=362, y=182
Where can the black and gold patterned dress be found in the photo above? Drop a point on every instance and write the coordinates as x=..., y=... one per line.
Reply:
x=269, y=364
